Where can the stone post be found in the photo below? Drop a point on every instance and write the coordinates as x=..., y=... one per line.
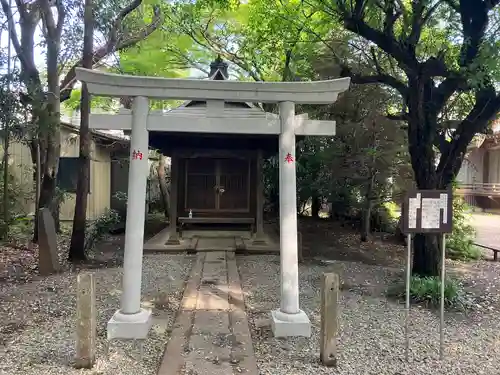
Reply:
x=131, y=321
x=289, y=320
x=86, y=325
x=329, y=318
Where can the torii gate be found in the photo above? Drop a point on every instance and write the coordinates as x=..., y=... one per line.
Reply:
x=133, y=322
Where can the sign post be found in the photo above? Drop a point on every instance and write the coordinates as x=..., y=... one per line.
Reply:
x=427, y=211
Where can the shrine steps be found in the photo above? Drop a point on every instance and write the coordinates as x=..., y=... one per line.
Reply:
x=217, y=240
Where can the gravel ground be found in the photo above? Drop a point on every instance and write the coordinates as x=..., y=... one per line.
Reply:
x=371, y=339
x=37, y=320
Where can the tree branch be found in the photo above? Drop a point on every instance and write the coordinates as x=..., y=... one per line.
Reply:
x=12, y=26
x=419, y=19
x=48, y=19
x=114, y=43
x=354, y=22
x=398, y=117
x=474, y=17
x=384, y=79
x=117, y=22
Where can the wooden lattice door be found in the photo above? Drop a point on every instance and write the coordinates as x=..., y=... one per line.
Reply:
x=201, y=182
x=233, y=185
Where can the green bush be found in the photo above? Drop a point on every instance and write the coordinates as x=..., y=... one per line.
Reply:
x=385, y=217
x=460, y=244
x=21, y=228
x=427, y=290
x=99, y=228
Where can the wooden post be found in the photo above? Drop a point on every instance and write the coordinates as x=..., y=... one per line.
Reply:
x=259, y=214
x=173, y=239
x=329, y=318
x=86, y=321
x=300, y=254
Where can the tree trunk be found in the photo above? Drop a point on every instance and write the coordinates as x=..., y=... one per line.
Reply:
x=162, y=181
x=422, y=127
x=367, y=212
x=426, y=255
x=365, y=227
x=50, y=134
x=77, y=247
x=315, y=206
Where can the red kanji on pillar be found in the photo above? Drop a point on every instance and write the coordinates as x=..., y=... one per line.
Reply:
x=289, y=158
x=137, y=155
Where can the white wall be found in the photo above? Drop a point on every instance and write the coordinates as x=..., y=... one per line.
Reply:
x=472, y=167
x=494, y=167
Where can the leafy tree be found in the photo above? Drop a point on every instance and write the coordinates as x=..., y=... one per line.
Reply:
x=62, y=31
x=433, y=54
x=77, y=245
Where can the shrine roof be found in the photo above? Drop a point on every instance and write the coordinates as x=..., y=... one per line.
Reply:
x=218, y=72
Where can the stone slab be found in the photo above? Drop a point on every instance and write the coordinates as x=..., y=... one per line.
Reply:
x=205, y=244
x=211, y=322
x=173, y=359
x=211, y=298
x=212, y=337
x=190, y=295
x=242, y=356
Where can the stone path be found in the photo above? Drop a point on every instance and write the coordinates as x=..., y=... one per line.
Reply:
x=211, y=335
x=488, y=229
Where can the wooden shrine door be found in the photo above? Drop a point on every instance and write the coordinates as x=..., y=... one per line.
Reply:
x=217, y=185
x=233, y=182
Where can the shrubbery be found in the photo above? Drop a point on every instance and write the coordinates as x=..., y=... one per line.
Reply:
x=99, y=228
x=427, y=290
x=385, y=217
x=460, y=244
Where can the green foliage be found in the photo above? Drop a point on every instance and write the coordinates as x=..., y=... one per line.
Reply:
x=385, y=217
x=460, y=244
x=427, y=290
x=120, y=195
x=99, y=228
x=21, y=228
x=17, y=194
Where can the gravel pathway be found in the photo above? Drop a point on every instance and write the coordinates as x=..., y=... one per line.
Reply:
x=371, y=337
x=37, y=320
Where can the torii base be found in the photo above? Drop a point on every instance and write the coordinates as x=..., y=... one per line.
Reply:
x=290, y=325
x=130, y=326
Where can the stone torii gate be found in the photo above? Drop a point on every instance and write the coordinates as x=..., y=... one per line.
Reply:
x=133, y=322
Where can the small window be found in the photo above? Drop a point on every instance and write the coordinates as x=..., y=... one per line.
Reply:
x=67, y=175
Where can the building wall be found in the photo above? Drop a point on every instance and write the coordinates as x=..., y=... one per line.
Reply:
x=472, y=167
x=98, y=200
x=100, y=176
x=494, y=166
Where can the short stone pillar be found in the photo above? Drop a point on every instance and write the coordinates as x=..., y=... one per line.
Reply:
x=289, y=320
x=86, y=325
x=329, y=318
x=131, y=321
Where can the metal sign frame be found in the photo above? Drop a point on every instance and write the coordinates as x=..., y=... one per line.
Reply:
x=439, y=203
x=427, y=196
